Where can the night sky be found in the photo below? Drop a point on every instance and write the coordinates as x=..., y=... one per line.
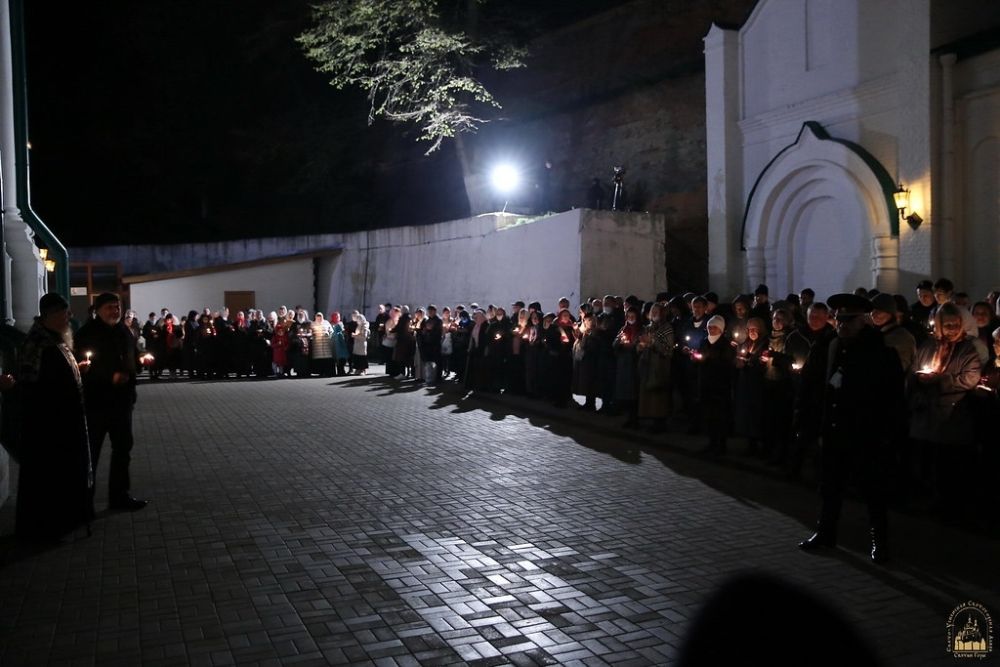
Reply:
x=175, y=121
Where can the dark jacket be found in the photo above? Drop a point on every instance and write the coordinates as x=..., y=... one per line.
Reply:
x=938, y=411
x=862, y=385
x=112, y=351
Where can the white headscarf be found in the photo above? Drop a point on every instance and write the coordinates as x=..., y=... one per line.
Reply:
x=716, y=321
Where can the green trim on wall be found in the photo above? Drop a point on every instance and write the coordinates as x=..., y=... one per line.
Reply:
x=886, y=181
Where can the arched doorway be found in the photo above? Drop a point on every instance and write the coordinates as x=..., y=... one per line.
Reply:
x=821, y=215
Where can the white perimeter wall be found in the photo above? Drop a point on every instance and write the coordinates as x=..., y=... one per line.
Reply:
x=486, y=259
x=289, y=283
x=491, y=258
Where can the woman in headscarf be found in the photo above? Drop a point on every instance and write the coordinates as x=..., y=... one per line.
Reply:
x=748, y=394
x=626, y=371
x=946, y=369
x=532, y=345
x=779, y=396
x=360, y=344
x=656, y=349
x=338, y=336
x=476, y=373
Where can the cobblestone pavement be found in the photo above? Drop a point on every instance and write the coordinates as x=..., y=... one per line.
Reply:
x=357, y=521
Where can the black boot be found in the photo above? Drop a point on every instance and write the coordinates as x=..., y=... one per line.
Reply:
x=880, y=546
x=818, y=540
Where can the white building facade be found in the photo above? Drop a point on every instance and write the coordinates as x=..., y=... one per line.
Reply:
x=817, y=110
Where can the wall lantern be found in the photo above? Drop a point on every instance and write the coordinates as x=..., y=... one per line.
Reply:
x=43, y=253
x=902, y=199
x=50, y=265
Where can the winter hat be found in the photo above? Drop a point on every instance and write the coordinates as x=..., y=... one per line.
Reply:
x=51, y=303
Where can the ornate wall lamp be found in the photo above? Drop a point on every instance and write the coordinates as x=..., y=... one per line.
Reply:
x=902, y=199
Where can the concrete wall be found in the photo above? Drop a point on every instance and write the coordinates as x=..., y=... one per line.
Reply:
x=289, y=283
x=487, y=259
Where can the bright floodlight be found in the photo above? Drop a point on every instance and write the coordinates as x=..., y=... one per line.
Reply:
x=505, y=178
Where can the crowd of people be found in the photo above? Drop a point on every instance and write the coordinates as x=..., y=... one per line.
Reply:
x=915, y=383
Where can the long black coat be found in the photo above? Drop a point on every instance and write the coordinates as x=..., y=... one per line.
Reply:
x=863, y=383
x=55, y=475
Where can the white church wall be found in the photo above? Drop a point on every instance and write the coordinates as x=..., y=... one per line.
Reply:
x=837, y=63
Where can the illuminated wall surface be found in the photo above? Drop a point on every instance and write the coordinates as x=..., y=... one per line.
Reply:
x=916, y=99
x=488, y=259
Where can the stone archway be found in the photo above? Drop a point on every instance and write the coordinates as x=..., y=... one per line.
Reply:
x=821, y=215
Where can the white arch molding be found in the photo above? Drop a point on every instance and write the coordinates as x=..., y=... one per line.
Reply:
x=819, y=217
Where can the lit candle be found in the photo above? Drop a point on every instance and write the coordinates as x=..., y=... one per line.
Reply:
x=565, y=338
x=697, y=356
x=796, y=366
x=89, y=355
x=687, y=338
x=497, y=337
x=926, y=369
x=736, y=335
x=743, y=350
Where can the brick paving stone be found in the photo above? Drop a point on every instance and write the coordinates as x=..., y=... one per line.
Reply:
x=357, y=521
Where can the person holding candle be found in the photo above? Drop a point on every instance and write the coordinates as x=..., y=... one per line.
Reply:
x=429, y=339
x=626, y=373
x=862, y=375
x=498, y=350
x=656, y=349
x=55, y=474
x=359, y=343
x=109, y=388
x=714, y=362
x=476, y=372
x=461, y=330
x=778, y=389
x=586, y=351
x=748, y=390
x=516, y=364
x=944, y=372
x=532, y=344
x=809, y=347
x=559, y=339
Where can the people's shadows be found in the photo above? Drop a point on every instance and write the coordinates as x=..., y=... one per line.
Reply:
x=461, y=401
x=917, y=543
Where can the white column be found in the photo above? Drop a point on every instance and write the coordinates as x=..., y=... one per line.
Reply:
x=755, y=268
x=26, y=272
x=949, y=240
x=885, y=264
x=724, y=158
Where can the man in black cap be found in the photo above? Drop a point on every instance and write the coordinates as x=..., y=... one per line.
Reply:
x=761, y=307
x=863, y=378
x=109, y=393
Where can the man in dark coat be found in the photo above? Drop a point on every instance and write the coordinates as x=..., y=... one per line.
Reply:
x=862, y=380
x=54, y=480
x=429, y=341
x=109, y=393
x=809, y=348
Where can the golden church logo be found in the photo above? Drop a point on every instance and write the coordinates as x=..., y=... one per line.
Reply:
x=970, y=631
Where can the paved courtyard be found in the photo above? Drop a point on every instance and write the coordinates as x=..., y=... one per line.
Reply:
x=352, y=521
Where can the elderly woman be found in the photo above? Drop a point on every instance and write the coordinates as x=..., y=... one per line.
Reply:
x=714, y=361
x=321, y=350
x=359, y=346
x=476, y=371
x=946, y=369
x=655, y=349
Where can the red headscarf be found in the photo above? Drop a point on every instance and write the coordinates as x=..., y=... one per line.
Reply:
x=335, y=317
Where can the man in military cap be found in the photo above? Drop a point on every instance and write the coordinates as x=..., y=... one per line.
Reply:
x=863, y=378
